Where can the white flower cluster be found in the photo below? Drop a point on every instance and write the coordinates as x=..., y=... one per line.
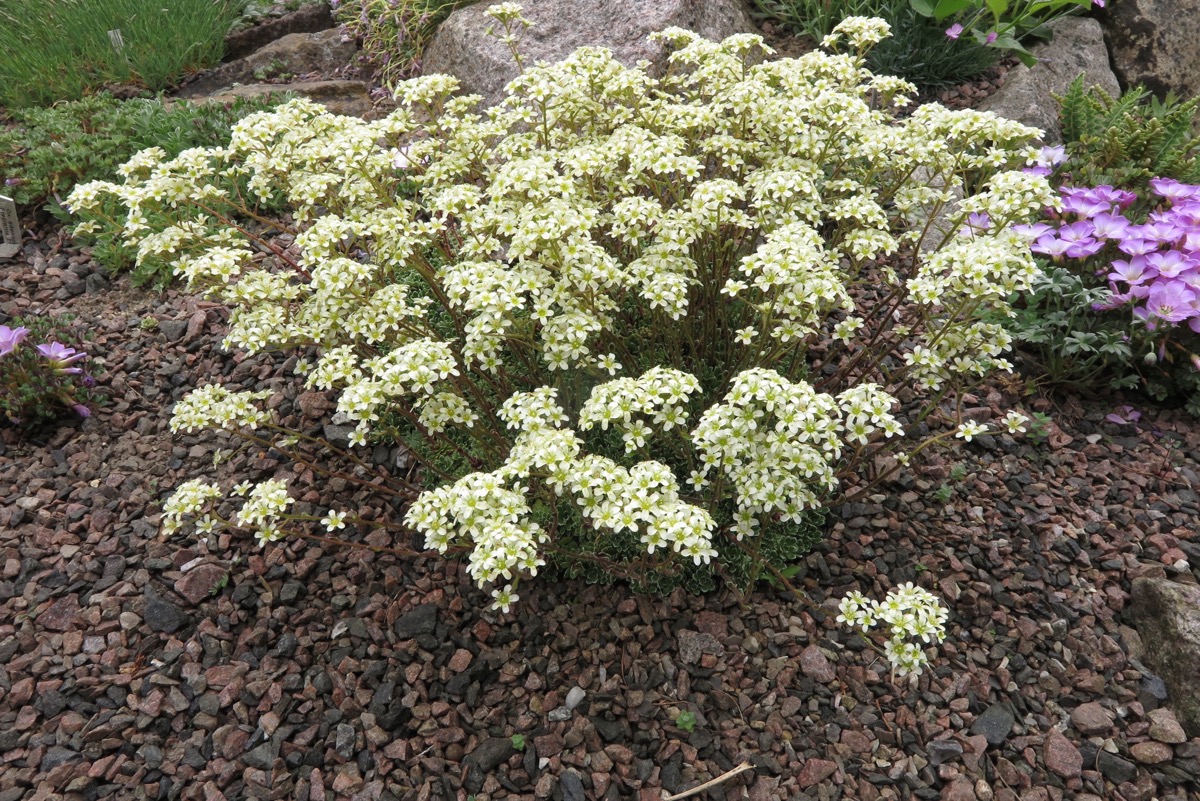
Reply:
x=214, y=406
x=777, y=441
x=911, y=613
x=457, y=267
x=189, y=498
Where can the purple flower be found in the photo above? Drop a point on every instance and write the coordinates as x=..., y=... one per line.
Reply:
x=1137, y=246
x=81, y=410
x=1109, y=226
x=1171, y=263
x=954, y=31
x=1171, y=301
x=992, y=37
x=1039, y=171
x=1162, y=231
x=1050, y=245
x=1079, y=236
x=1033, y=231
x=1133, y=272
x=1124, y=416
x=1085, y=204
x=10, y=338
x=60, y=357
x=1172, y=189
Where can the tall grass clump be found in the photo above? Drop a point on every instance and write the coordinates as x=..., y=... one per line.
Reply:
x=630, y=325
x=63, y=50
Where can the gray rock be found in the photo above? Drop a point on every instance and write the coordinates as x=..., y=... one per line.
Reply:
x=343, y=741
x=1167, y=616
x=161, y=615
x=419, y=620
x=348, y=98
x=294, y=54
x=491, y=753
x=995, y=723
x=942, y=751
x=172, y=329
x=559, y=714
x=693, y=644
x=1078, y=46
x=572, y=786
x=57, y=755
x=1116, y=769
x=262, y=756
x=1153, y=43
x=575, y=697
x=462, y=48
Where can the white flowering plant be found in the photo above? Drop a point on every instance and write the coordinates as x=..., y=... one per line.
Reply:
x=913, y=616
x=626, y=322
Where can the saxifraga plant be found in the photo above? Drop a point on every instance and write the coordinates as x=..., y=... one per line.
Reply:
x=658, y=317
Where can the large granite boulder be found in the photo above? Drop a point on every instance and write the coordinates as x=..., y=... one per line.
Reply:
x=295, y=54
x=1027, y=94
x=462, y=48
x=1155, y=43
x=1167, y=616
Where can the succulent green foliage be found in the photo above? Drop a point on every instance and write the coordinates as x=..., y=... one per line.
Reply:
x=1128, y=140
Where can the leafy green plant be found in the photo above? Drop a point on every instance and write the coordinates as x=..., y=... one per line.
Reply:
x=1001, y=24
x=1039, y=427
x=41, y=376
x=918, y=50
x=62, y=50
x=944, y=493
x=518, y=742
x=617, y=311
x=686, y=721
x=958, y=472
x=394, y=33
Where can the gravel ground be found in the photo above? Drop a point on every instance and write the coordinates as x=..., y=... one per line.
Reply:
x=138, y=667
x=207, y=668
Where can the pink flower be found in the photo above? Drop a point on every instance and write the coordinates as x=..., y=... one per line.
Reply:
x=992, y=36
x=10, y=338
x=954, y=31
x=61, y=357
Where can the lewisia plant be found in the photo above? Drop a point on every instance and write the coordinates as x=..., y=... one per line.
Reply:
x=670, y=313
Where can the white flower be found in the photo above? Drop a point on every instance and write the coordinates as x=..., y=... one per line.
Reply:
x=1015, y=422
x=970, y=429
x=334, y=521
x=503, y=599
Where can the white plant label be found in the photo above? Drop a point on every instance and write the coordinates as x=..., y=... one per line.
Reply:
x=118, y=41
x=10, y=228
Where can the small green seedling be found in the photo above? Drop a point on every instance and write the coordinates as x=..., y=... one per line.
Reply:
x=944, y=493
x=958, y=472
x=1039, y=427
x=518, y=742
x=686, y=721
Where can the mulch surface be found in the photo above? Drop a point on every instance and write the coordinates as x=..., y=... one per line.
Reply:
x=204, y=667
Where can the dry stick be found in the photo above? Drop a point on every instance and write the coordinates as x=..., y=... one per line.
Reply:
x=745, y=766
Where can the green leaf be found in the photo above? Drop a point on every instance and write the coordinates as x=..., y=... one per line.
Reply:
x=922, y=7
x=946, y=8
x=998, y=7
